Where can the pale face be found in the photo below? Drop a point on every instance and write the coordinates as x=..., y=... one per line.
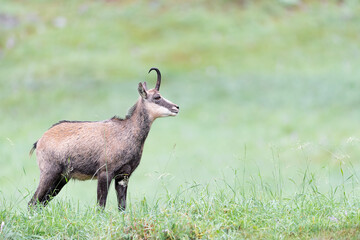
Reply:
x=159, y=106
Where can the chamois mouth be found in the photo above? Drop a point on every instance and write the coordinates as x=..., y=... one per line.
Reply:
x=175, y=110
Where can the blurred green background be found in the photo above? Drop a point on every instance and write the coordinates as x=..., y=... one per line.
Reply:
x=268, y=90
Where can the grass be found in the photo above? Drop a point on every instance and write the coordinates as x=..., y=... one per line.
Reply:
x=266, y=144
x=224, y=213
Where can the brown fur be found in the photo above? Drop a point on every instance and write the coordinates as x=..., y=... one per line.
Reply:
x=103, y=150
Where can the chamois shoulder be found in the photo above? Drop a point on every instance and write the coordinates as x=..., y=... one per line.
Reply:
x=128, y=115
x=116, y=118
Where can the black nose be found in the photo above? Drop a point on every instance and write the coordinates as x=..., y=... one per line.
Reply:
x=177, y=106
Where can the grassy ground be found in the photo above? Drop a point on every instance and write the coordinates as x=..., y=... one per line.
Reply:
x=204, y=215
x=267, y=141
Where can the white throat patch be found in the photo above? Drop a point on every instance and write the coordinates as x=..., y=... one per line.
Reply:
x=159, y=111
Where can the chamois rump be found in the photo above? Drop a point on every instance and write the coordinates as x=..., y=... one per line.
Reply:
x=102, y=150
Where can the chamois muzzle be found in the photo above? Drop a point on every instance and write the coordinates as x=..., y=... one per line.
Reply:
x=175, y=109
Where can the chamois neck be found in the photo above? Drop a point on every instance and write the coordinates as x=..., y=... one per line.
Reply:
x=140, y=121
x=140, y=114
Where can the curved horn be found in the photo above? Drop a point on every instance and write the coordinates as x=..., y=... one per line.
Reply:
x=157, y=87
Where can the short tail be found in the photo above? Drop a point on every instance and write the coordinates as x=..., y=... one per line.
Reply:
x=33, y=149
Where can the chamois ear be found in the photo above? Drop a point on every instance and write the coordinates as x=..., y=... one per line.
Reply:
x=145, y=86
x=142, y=91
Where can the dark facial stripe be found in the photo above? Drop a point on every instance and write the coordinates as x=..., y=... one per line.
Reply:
x=164, y=103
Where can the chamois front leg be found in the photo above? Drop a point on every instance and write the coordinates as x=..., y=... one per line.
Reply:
x=104, y=180
x=121, y=184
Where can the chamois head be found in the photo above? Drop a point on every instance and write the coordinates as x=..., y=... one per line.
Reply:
x=156, y=105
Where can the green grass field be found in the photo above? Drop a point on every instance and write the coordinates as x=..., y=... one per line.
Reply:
x=267, y=142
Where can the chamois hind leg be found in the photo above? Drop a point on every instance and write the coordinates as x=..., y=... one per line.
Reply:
x=104, y=180
x=49, y=186
x=54, y=190
x=121, y=184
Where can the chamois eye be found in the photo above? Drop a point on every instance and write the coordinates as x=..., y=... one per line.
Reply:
x=157, y=97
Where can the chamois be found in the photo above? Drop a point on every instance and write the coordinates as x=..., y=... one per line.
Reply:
x=102, y=150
